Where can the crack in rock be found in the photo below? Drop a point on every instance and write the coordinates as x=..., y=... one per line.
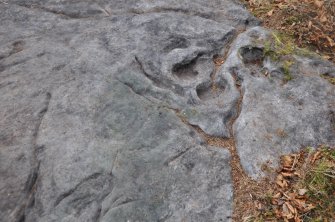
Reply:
x=28, y=197
x=70, y=192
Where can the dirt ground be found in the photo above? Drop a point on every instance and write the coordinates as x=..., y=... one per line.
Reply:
x=310, y=23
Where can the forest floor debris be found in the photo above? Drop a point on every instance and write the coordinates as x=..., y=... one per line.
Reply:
x=311, y=23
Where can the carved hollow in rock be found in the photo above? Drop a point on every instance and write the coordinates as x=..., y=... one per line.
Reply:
x=252, y=55
x=176, y=43
x=186, y=70
x=209, y=91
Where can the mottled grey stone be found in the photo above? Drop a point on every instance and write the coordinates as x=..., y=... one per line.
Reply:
x=89, y=93
x=88, y=127
x=279, y=117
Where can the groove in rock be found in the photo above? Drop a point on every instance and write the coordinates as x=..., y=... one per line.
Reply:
x=131, y=88
x=205, y=91
x=177, y=156
x=244, y=186
x=185, y=69
x=71, y=191
x=219, y=60
x=28, y=197
x=172, y=10
x=97, y=215
x=158, y=82
x=53, y=11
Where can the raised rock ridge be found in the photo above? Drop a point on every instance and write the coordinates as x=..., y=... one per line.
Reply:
x=95, y=97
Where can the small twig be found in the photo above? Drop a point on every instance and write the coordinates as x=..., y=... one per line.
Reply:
x=294, y=162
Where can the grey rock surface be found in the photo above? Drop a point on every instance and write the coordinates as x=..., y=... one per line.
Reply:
x=89, y=92
x=279, y=117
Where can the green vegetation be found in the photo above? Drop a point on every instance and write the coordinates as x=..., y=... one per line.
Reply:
x=281, y=48
x=320, y=182
x=330, y=79
x=286, y=69
x=304, y=190
x=308, y=22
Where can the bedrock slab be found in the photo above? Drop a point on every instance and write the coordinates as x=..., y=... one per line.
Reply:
x=88, y=128
x=278, y=116
x=89, y=93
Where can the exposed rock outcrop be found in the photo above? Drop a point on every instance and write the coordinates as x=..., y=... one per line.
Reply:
x=94, y=94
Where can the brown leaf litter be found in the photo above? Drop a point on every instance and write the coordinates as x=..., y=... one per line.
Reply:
x=311, y=23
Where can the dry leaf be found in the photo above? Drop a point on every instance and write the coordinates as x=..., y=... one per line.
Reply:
x=288, y=210
x=297, y=219
x=326, y=57
x=297, y=174
x=270, y=13
x=287, y=174
x=274, y=202
x=310, y=24
x=288, y=169
x=280, y=177
x=316, y=156
x=278, y=213
x=292, y=196
x=286, y=161
x=258, y=205
x=277, y=195
x=287, y=196
x=281, y=6
x=285, y=210
x=309, y=207
x=300, y=204
x=302, y=192
x=331, y=42
x=318, y=3
x=323, y=19
x=252, y=2
x=281, y=181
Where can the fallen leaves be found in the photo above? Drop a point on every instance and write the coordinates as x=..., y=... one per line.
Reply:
x=290, y=203
x=310, y=22
x=292, y=199
x=286, y=161
x=316, y=156
x=280, y=181
x=318, y=3
x=270, y=12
